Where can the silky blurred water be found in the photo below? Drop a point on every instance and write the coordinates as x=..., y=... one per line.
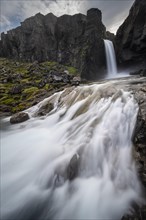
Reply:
x=94, y=122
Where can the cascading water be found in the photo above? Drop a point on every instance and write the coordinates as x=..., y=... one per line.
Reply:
x=110, y=58
x=92, y=124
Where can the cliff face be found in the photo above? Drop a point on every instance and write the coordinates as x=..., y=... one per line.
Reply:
x=71, y=40
x=131, y=36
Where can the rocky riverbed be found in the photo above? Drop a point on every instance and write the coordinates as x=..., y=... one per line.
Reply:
x=24, y=85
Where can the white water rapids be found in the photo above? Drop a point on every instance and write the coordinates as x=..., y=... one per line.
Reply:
x=95, y=123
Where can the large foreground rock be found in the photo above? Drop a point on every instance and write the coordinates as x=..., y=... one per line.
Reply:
x=131, y=36
x=71, y=40
x=72, y=169
x=19, y=117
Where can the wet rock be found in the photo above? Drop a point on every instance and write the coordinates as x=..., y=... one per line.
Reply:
x=139, y=144
x=139, y=140
x=76, y=81
x=58, y=180
x=72, y=169
x=141, y=72
x=57, y=78
x=138, y=214
x=42, y=83
x=45, y=109
x=19, y=117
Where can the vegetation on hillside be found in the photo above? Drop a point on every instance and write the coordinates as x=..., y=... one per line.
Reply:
x=25, y=84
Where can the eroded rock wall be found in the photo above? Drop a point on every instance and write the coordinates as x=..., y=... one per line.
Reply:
x=131, y=36
x=71, y=40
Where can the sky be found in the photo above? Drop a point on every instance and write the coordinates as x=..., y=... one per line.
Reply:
x=12, y=12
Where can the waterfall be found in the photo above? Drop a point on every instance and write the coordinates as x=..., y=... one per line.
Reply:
x=91, y=125
x=110, y=58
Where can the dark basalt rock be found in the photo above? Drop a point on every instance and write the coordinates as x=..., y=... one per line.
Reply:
x=76, y=81
x=139, y=140
x=131, y=36
x=138, y=212
x=71, y=40
x=141, y=72
x=110, y=36
x=19, y=117
x=16, y=89
x=72, y=169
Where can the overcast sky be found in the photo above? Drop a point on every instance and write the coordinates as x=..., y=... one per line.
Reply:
x=12, y=12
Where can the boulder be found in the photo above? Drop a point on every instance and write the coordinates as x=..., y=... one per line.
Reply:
x=45, y=109
x=76, y=81
x=141, y=72
x=19, y=117
x=72, y=169
x=131, y=36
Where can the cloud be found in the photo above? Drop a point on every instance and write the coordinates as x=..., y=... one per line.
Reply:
x=15, y=11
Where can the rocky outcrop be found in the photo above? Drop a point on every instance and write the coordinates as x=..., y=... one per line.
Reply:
x=19, y=117
x=110, y=36
x=141, y=72
x=45, y=109
x=72, y=169
x=131, y=36
x=92, y=52
x=71, y=40
x=139, y=140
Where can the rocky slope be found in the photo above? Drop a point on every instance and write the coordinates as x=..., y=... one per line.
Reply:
x=131, y=36
x=25, y=84
x=70, y=40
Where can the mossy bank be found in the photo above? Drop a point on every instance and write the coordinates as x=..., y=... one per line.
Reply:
x=23, y=85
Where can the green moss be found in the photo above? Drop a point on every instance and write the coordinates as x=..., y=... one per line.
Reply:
x=49, y=63
x=30, y=94
x=48, y=86
x=37, y=80
x=21, y=70
x=31, y=90
x=26, y=80
x=72, y=70
x=5, y=88
x=19, y=108
x=7, y=101
x=2, y=86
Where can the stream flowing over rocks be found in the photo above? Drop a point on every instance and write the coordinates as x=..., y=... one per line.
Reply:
x=83, y=157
